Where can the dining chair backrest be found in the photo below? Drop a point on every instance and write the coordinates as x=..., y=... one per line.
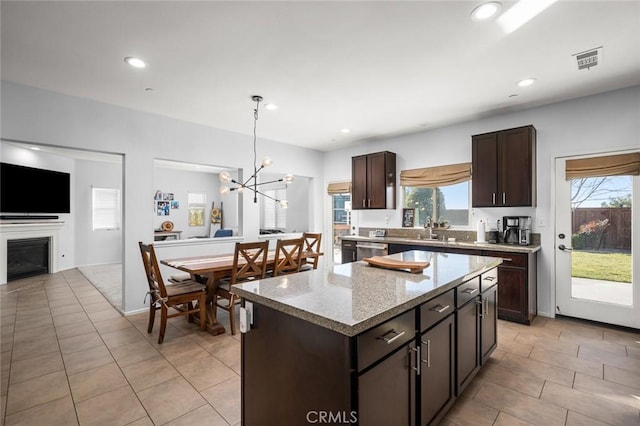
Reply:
x=249, y=261
x=288, y=256
x=311, y=245
x=157, y=287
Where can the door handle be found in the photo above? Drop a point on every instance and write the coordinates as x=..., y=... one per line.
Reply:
x=564, y=248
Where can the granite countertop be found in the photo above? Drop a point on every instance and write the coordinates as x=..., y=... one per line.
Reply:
x=354, y=297
x=512, y=248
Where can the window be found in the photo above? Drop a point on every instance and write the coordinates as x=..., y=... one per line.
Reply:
x=448, y=203
x=105, y=208
x=274, y=216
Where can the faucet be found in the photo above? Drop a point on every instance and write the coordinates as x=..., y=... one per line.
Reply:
x=427, y=226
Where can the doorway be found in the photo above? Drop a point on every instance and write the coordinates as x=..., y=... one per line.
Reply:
x=341, y=222
x=596, y=244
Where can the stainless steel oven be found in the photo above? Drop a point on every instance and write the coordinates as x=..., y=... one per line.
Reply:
x=366, y=249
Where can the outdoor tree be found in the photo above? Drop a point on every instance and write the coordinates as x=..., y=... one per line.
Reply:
x=618, y=202
x=600, y=189
x=421, y=199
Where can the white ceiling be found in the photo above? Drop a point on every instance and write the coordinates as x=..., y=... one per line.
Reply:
x=380, y=68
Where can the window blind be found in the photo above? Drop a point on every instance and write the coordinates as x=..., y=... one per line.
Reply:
x=105, y=208
x=339, y=188
x=610, y=165
x=432, y=177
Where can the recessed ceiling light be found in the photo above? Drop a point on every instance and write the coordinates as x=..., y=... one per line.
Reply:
x=485, y=11
x=35, y=148
x=526, y=82
x=271, y=106
x=135, y=62
x=345, y=130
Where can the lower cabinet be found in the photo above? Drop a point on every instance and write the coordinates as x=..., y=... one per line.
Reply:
x=348, y=251
x=386, y=393
x=476, y=333
x=437, y=371
x=406, y=371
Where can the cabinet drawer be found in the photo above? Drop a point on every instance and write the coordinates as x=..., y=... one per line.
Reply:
x=379, y=341
x=436, y=309
x=467, y=291
x=489, y=279
x=510, y=259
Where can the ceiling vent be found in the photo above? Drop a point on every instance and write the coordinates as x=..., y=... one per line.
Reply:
x=589, y=58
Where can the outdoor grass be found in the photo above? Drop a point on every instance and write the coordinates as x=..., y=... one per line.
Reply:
x=601, y=266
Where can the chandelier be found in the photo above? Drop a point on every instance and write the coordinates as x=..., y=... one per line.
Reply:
x=252, y=184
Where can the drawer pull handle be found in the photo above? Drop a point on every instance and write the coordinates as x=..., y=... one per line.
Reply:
x=506, y=259
x=390, y=340
x=490, y=278
x=439, y=308
x=470, y=291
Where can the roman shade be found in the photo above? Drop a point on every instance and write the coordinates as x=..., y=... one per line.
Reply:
x=431, y=177
x=339, y=188
x=610, y=165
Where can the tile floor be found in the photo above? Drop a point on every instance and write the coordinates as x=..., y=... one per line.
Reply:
x=68, y=357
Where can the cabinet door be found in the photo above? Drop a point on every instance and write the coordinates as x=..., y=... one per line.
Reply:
x=484, y=161
x=512, y=294
x=468, y=335
x=437, y=372
x=359, y=182
x=348, y=251
x=515, y=166
x=386, y=392
x=377, y=181
x=488, y=323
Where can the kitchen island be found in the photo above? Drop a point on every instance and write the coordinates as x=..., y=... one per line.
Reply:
x=354, y=342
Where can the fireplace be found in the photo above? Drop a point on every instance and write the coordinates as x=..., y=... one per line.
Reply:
x=27, y=257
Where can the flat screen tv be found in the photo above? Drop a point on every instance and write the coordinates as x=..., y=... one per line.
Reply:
x=30, y=190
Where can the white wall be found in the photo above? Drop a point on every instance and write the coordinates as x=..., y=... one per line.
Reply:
x=180, y=183
x=100, y=246
x=599, y=123
x=34, y=115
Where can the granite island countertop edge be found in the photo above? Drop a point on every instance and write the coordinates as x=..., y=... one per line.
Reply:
x=351, y=330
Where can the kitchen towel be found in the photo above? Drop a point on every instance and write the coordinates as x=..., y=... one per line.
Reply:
x=480, y=237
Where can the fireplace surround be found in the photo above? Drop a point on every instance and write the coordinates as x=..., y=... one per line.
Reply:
x=10, y=231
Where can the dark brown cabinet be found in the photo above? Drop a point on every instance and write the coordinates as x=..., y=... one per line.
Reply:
x=437, y=371
x=504, y=168
x=373, y=180
x=476, y=322
x=517, y=293
x=349, y=251
x=386, y=392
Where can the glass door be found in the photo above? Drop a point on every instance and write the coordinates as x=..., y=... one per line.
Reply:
x=594, y=243
x=341, y=223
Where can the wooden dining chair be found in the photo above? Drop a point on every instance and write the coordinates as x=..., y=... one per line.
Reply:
x=288, y=256
x=311, y=245
x=249, y=263
x=178, y=295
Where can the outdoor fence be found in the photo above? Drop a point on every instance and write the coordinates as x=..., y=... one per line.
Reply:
x=602, y=228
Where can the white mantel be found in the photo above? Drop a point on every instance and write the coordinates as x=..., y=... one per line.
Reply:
x=22, y=230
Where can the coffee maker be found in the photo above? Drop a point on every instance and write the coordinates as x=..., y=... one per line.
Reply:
x=516, y=230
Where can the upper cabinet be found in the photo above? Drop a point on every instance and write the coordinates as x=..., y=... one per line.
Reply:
x=373, y=180
x=504, y=168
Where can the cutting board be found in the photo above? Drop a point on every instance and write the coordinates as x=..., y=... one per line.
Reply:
x=382, y=262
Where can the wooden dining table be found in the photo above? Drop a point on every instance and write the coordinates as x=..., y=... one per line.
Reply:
x=209, y=270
